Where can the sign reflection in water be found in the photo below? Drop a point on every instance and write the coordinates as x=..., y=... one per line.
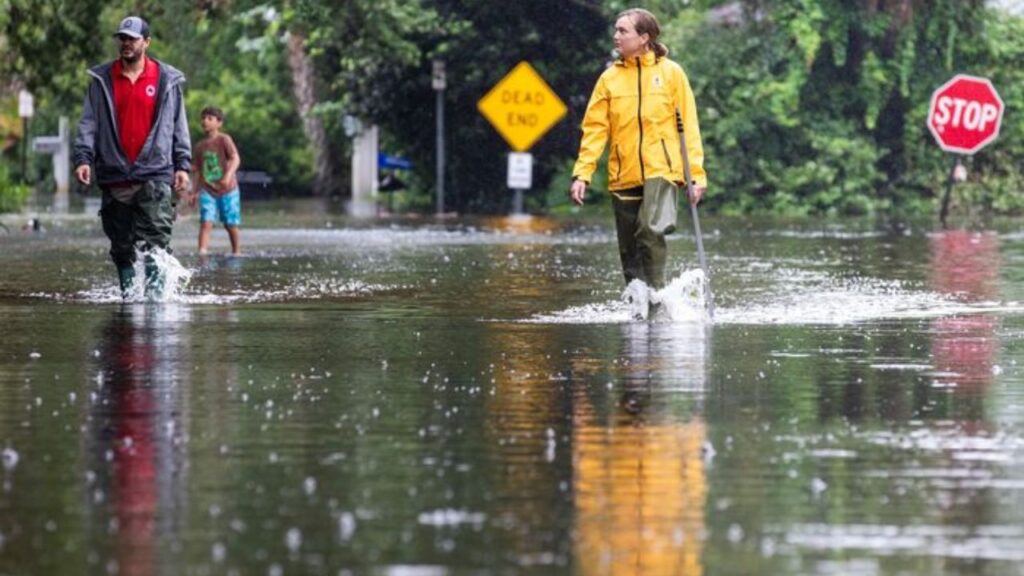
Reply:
x=965, y=265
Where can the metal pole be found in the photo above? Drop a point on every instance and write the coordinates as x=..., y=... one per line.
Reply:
x=24, y=149
x=440, y=152
x=439, y=82
x=693, y=214
x=950, y=180
x=26, y=109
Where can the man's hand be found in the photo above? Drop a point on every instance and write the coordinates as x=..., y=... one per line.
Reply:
x=181, y=181
x=84, y=174
x=578, y=191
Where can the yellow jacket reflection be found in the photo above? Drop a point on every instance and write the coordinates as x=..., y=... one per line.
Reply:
x=633, y=105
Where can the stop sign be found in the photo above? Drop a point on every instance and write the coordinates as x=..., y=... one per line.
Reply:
x=965, y=114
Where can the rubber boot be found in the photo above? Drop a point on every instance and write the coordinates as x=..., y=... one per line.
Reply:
x=155, y=280
x=126, y=277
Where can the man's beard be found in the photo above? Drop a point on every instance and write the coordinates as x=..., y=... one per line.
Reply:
x=131, y=58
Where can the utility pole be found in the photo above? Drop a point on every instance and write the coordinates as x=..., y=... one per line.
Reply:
x=439, y=83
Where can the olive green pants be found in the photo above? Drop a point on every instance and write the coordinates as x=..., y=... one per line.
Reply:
x=643, y=252
x=144, y=219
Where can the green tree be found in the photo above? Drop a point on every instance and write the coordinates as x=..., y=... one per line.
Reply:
x=818, y=106
x=566, y=41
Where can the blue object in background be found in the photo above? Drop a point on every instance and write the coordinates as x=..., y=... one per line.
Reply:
x=393, y=162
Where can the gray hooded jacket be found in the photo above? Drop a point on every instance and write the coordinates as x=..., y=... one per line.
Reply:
x=167, y=148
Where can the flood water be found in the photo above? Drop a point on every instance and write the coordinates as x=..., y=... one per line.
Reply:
x=471, y=397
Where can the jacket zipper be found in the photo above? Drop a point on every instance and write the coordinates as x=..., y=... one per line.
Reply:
x=618, y=166
x=667, y=157
x=112, y=114
x=168, y=86
x=639, y=117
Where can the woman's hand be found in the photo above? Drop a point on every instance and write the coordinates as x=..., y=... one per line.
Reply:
x=698, y=193
x=578, y=191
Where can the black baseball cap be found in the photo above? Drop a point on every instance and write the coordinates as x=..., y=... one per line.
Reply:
x=133, y=26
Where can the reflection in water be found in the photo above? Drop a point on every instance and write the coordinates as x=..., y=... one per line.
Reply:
x=640, y=484
x=965, y=265
x=522, y=224
x=137, y=434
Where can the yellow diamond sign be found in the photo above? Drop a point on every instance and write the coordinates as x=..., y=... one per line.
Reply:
x=522, y=107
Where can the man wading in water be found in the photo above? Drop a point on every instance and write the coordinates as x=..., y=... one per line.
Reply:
x=134, y=135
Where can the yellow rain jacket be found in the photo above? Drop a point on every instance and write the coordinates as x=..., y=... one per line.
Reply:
x=633, y=105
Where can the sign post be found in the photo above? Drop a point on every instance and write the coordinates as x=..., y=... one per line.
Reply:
x=26, y=109
x=522, y=108
x=439, y=81
x=520, y=177
x=964, y=116
x=59, y=147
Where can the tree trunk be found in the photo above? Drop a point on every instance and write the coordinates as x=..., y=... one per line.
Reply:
x=325, y=179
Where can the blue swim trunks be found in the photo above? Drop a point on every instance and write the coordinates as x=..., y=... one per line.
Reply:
x=226, y=209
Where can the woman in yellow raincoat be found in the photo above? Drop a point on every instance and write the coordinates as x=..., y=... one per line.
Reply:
x=633, y=109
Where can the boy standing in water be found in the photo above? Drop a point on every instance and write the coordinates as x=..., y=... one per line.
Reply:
x=215, y=162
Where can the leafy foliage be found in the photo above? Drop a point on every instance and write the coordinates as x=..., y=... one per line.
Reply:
x=821, y=108
x=807, y=106
x=12, y=195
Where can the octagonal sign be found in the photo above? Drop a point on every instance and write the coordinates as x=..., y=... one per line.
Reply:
x=965, y=114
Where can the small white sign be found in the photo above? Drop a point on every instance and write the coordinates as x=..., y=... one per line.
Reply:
x=46, y=144
x=26, y=104
x=439, y=78
x=520, y=170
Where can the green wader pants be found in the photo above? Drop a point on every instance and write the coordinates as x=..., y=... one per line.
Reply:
x=144, y=221
x=642, y=250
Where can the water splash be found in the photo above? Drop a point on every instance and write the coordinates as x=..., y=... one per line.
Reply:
x=684, y=300
x=175, y=277
x=804, y=297
x=175, y=280
x=301, y=289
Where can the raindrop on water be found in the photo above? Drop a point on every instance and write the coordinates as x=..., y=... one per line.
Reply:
x=9, y=457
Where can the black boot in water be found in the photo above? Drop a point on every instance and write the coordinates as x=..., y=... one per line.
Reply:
x=126, y=277
x=155, y=280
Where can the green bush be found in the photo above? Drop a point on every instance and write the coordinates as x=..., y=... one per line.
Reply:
x=12, y=195
x=819, y=108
